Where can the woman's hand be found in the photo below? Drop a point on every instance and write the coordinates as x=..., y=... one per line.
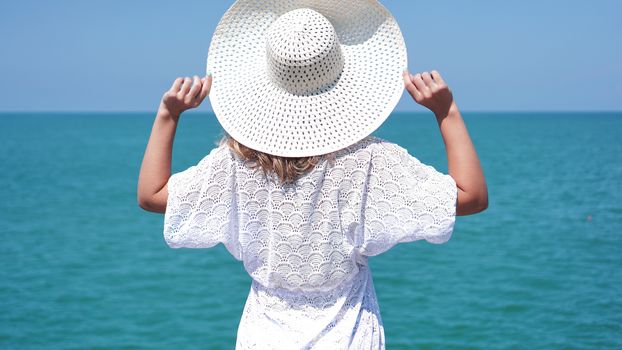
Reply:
x=186, y=93
x=430, y=90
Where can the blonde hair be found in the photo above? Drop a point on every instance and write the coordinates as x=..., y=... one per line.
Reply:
x=287, y=169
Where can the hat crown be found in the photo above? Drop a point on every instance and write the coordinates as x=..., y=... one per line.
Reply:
x=303, y=52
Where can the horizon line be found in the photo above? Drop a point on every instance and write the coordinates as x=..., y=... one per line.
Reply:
x=394, y=112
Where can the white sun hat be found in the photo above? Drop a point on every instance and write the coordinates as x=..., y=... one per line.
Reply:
x=299, y=78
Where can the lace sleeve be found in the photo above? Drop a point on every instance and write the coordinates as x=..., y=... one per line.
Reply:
x=199, y=210
x=406, y=201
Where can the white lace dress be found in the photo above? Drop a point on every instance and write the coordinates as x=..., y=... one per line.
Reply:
x=306, y=245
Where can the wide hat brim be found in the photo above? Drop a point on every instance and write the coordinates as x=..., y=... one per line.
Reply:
x=263, y=116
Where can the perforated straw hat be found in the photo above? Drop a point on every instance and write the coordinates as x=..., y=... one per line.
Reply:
x=303, y=78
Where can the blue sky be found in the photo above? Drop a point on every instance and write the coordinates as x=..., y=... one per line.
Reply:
x=496, y=55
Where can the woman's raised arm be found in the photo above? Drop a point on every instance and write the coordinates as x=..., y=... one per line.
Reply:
x=155, y=170
x=431, y=91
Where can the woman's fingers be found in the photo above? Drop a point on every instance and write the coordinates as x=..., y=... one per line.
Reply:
x=427, y=79
x=194, y=90
x=420, y=85
x=176, y=85
x=207, y=86
x=410, y=87
x=186, y=93
x=185, y=87
x=432, y=92
x=437, y=78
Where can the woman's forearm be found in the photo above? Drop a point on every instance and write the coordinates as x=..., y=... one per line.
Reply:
x=463, y=163
x=156, y=166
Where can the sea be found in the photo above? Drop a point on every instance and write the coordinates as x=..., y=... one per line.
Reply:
x=84, y=267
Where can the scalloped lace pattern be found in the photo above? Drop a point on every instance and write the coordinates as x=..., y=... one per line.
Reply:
x=306, y=244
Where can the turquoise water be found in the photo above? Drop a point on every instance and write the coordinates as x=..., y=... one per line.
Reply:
x=85, y=267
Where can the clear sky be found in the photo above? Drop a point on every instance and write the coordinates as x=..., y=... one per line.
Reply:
x=113, y=55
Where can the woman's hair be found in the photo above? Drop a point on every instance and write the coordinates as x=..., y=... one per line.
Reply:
x=287, y=169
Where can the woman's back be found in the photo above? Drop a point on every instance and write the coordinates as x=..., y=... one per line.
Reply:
x=305, y=244
x=310, y=235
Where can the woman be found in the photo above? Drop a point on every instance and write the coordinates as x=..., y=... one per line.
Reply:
x=298, y=190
